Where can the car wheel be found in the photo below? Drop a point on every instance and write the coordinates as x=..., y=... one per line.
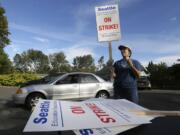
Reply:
x=102, y=94
x=33, y=99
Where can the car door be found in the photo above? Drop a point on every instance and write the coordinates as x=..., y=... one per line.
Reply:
x=66, y=88
x=88, y=85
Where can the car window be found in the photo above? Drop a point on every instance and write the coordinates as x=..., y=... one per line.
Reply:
x=70, y=79
x=88, y=79
x=51, y=78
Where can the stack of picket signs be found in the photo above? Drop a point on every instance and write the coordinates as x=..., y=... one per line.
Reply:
x=93, y=116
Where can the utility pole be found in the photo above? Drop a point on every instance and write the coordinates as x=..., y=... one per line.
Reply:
x=110, y=50
x=110, y=62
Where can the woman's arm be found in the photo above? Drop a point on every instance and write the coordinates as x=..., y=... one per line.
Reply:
x=113, y=73
x=136, y=72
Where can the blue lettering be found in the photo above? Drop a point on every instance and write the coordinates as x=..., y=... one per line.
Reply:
x=44, y=110
x=38, y=120
x=107, y=8
x=43, y=113
x=86, y=132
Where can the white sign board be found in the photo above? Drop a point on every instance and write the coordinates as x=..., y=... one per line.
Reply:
x=54, y=115
x=107, y=21
x=125, y=105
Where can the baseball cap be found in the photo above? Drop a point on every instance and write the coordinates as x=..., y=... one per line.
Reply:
x=121, y=47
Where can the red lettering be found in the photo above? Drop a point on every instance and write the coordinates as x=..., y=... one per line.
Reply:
x=99, y=111
x=108, y=27
x=100, y=28
x=77, y=110
x=107, y=19
x=107, y=120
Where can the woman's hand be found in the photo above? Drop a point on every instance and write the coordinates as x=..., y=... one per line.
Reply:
x=135, y=71
x=129, y=61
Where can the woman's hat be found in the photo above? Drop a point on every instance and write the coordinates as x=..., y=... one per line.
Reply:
x=121, y=47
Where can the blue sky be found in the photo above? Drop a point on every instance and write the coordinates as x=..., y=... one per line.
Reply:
x=150, y=27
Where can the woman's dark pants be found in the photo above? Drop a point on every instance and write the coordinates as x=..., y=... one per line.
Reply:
x=130, y=94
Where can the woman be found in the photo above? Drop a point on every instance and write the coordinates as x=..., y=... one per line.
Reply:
x=126, y=72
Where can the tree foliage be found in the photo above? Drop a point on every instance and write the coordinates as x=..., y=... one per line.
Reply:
x=163, y=76
x=105, y=71
x=4, y=33
x=59, y=63
x=101, y=63
x=84, y=63
x=32, y=61
x=5, y=63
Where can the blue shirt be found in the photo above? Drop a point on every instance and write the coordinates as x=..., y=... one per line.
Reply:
x=125, y=77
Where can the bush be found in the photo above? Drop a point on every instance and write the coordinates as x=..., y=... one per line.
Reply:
x=16, y=79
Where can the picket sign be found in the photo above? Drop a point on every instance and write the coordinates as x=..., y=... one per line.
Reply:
x=126, y=105
x=55, y=115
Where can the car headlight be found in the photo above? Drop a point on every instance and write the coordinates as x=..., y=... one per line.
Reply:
x=19, y=91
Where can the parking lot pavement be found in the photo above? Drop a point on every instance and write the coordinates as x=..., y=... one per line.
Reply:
x=14, y=117
x=6, y=92
x=11, y=117
x=160, y=100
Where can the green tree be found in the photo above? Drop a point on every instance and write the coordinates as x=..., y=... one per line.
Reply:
x=4, y=33
x=174, y=76
x=84, y=63
x=59, y=63
x=33, y=61
x=18, y=64
x=101, y=63
x=105, y=72
x=159, y=74
x=5, y=63
x=175, y=72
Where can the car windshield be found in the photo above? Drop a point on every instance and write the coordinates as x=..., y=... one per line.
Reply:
x=100, y=79
x=51, y=78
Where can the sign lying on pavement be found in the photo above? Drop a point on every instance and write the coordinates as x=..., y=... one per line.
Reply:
x=107, y=21
x=125, y=105
x=54, y=115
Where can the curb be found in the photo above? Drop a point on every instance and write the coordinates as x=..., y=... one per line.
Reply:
x=9, y=87
x=161, y=91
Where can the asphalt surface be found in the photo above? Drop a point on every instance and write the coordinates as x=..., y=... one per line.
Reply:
x=14, y=117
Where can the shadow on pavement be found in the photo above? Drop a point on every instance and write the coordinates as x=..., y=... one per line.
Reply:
x=18, y=130
x=13, y=119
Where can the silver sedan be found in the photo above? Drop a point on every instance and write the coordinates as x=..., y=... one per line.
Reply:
x=68, y=86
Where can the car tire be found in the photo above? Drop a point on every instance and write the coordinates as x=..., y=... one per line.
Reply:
x=33, y=99
x=102, y=94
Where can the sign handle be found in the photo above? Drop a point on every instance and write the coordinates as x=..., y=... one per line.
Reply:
x=157, y=112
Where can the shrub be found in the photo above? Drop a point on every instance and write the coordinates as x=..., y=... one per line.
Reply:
x=16, y=79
